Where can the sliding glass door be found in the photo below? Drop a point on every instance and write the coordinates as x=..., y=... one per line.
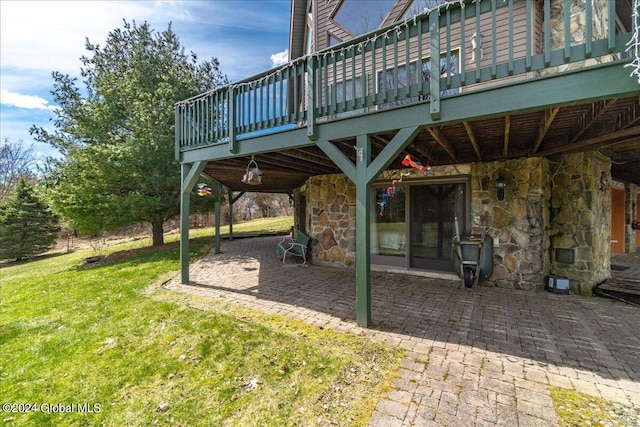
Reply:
x=433, y=212
x=414, y=224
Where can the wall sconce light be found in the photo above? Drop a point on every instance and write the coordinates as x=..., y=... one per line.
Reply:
x=290, y=199
x=604, y=181
x=476, y=46
x=501, y=185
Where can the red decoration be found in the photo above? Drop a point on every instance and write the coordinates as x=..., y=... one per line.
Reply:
x=408, y=161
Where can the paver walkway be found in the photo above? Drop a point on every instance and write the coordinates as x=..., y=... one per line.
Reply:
x=484, y=356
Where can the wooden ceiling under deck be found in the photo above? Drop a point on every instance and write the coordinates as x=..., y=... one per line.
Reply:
x=611, y=126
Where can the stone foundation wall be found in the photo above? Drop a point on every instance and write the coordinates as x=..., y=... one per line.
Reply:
x=517, y=224
x=563, y=202
x=580, y=218
x=331, y=211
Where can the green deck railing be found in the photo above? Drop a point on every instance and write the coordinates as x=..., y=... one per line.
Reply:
x=476, y=43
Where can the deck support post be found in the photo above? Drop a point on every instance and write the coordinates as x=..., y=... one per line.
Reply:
x=434, y=64
x=363, y=231
x=217, y=195
x=232, y=200
x=190, y=174
x=230, y=196
x=362, y=175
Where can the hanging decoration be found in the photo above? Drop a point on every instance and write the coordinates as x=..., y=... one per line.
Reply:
x=408, y=161
x=204, y=190
x=384, y=199
x=633, y=47
x=389, y=193
x=399, y=180
x=253, y=175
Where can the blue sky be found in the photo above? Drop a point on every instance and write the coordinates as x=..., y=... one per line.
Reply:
x=38, y=37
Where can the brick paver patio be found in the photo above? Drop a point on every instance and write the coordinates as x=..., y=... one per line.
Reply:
x=484, y=356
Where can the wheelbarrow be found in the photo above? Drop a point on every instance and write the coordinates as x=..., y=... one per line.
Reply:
x=472, y=256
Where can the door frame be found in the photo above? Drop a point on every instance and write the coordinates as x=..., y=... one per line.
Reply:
x=404, y=262
x=617, y=241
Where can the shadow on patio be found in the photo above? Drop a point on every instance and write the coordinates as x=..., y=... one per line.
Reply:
x=592, y=341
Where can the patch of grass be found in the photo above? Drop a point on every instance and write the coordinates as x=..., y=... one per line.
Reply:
x=109, y=337
x=578, y=409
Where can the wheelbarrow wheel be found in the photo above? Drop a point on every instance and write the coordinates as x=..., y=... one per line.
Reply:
x=468, y=277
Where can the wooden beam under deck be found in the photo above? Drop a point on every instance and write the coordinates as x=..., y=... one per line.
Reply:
x=472, y=138
x=444, y=142
x=545, y=124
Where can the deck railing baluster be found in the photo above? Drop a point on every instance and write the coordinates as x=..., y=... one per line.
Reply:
x=478, y=35
x=372, y=75
x=419, y=65
x=407, y=61
x=511, y=40
x=494, y=53
x=567, y=30
x=529, y=37
x=231, y=101
x=396, y=83
x=369, y=72
x=434, y=81
x=448, y=53
x=547, y=33
x=463, y=52
x=611, y=9
x=343, y=83
x=383, y=84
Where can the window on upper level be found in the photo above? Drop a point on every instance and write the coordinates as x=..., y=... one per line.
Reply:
x=361, y=16
x=333, y=40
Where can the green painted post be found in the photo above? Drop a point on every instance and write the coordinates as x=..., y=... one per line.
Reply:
x=567, y=30
x=363, y=229
x=177, y=123
x=589, y=36
x=230, y=196
x=611, y=33
x=529, y=39
x=547, y=32
x=184, y=226
x=217, y=195
x=434, y=81
x=311, y=97
x=231, y=113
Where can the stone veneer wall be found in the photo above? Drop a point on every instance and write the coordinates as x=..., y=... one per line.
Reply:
x=331, y=216
x=331, y=211
x=578, y=29
x=580, y=218
x=517, y=223
x=549, y=203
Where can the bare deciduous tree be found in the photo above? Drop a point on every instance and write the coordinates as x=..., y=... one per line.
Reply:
x=16, y=161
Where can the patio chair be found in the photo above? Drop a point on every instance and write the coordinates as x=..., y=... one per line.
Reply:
x=298, y=248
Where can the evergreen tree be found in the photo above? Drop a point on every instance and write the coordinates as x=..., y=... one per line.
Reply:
x=119, y=165
x=27, y=225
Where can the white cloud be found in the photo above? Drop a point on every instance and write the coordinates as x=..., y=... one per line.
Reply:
x=31, y=102
x=280, y=58
x=53, y=36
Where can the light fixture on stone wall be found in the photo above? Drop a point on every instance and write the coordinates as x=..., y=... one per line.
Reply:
x=290, y=199
x=501, y=185
x=604, y=181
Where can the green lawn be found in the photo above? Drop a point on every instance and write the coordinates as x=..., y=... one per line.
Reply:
x=107, y=338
